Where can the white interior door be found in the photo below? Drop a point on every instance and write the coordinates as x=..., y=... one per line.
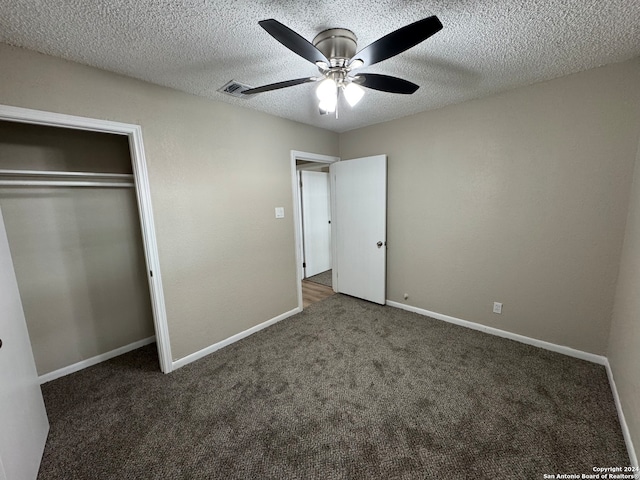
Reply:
x=23, y=419
x=360, y=223
x=316, y=222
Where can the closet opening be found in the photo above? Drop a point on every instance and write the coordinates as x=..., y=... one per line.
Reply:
x=77, y=239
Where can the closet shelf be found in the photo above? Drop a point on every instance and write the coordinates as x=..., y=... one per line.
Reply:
x=45, y=183
x=53, y=173
x=68, y=179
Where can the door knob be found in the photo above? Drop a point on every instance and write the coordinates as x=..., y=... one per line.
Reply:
x=379, y=244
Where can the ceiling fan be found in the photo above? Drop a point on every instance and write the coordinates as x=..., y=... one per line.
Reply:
x=333, y=51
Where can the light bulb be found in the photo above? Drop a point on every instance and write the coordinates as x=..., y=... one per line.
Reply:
x=328, y=105
x=327, y=91
x=353, y=93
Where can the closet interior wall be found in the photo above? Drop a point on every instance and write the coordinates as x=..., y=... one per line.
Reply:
x=77, y=251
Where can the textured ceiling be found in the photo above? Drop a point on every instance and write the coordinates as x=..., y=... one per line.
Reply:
x=486, y=46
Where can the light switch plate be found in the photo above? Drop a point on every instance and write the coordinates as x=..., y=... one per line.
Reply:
x=279, y=212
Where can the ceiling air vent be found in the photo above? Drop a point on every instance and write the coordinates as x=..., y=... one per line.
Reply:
x=235, y=89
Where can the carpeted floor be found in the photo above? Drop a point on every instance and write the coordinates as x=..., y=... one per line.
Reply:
x=345, y=390
x=324, y=278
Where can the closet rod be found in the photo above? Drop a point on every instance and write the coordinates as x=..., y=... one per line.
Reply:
x=53, y=173
x=45, y=183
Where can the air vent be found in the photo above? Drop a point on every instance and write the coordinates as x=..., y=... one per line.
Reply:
x=235, y=89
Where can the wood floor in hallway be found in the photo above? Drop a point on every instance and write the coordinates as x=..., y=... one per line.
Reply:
x=314, y=292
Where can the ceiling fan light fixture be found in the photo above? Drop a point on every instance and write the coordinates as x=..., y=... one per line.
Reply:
x=327, y=93
x=355, y=63
x=328, y=105
x=353, y=93
x=327, y=90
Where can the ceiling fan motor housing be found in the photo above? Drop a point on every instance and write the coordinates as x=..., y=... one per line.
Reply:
x=337, y=44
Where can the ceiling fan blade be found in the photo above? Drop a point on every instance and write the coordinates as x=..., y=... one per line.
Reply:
x=385, y=83
x=278, y=85
x=293, y=41
x=398, y=41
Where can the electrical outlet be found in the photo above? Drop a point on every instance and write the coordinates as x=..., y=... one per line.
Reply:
x=406, y=296
x=279, y=212
x=497, y=307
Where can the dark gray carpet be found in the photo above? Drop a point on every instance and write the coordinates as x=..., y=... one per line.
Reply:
x=324, y=278
x=345, y=390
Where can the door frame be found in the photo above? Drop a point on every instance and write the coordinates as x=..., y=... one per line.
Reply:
x=143, y=194
x=297, y=224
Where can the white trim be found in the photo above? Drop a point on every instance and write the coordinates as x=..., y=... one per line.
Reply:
x=89, y=362
x=299, y=223
x=312, y=157
x=232, y=339
x=623, y=422
x=52, y=119
x=571, y=352
x=295, y=187
x=138, y=161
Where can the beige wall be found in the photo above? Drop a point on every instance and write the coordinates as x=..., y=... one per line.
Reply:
x=80, y=268
x=624, y=342
x=37, y=147
x=216, y=173
x=77, y=253
x=519, y=198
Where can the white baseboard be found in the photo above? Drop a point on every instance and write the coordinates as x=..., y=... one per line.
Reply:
x=590, y=357
x=61, y=372
x=234, y=338
x=623, y=422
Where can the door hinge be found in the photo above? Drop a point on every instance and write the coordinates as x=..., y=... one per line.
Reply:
x=151, y=272
x=304, y=265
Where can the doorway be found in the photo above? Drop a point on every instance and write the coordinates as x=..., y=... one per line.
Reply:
x=358, y=205
x=133, y=136
x=313, y=206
